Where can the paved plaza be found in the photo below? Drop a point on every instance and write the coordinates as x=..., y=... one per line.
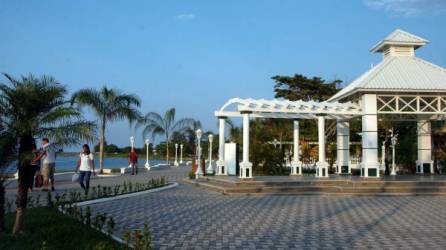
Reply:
x=187, y=217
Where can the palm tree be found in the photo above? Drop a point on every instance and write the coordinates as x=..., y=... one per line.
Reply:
x=109, y=105
x=235, y=132
x=166, y=125
x=191, y=130
x=7, y=151
x=35, y=107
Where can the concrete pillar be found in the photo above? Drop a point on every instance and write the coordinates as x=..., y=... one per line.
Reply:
x=369, y=164
x=245, y=165
x=343, y=147
x=296, y=164
x=425, y=164
x=221, y=169
x=321, y=165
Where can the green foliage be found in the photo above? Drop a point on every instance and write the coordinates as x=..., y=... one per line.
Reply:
x=138, y=239
x=46, y=228
x=109, y=105
x=191, y=175
x=300, y=87
x=31, y=107
x=164, y=125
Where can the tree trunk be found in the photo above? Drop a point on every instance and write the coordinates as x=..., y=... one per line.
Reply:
x=18, y=220
x=26, y=142
x=2, y=207
x=22, y=198
x=101, y=146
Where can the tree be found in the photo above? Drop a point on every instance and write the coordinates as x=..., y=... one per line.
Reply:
x=300, y=87
x=155, y=124
x=31, y=107
x=109, y=105
x=7, y=152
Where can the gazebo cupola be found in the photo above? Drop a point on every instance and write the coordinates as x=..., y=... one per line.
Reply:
x=399, y=43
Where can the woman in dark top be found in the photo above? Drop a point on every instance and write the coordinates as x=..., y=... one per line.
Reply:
x=35, y=166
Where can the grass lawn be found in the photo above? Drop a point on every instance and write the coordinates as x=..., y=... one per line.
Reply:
x=46, y=228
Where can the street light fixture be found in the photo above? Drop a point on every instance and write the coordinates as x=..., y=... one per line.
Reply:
x=147, y=165
x=209, y=169
x=198, y=172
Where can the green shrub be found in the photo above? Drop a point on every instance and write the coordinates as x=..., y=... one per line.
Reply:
x=191, y=175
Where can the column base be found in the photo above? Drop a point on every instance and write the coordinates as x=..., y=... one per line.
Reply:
x=245, y=170
x=209, y=169
x=343, y=168
x=147, y=166
x=322, y=169
x=370, y=169
x=221, y=169
x=422, y=166
x=176, y=164
x=199, y=171
x=296, y=168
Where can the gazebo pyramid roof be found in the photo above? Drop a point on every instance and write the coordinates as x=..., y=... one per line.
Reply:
x=399, y=71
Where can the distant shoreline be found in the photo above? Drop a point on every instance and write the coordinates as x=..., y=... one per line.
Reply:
x=121, y=155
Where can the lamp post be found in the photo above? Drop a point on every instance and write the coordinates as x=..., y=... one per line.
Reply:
x=132, y=142
x=176, y=155
x=181, y=153
x=393, y=140
x=209, y=169
x=198, y=172
x=147, y=165
x=383, y=156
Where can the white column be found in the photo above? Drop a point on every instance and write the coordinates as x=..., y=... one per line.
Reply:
x=176, y=155
x=181, y=153
x=296, y=165
x=343, y=147
x=221, y=169
x=321, y=165
x=245, y=165
x=424, y=146
x=369, y=164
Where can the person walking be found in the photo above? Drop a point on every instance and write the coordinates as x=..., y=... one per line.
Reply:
x=133, y=161
x=35, y=165
x=48, y=164
x=85, y=166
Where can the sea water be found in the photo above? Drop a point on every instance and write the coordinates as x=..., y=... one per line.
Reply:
x=68, y=163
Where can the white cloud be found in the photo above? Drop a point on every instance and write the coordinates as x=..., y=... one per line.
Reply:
x=409, y=8
x=186, y=17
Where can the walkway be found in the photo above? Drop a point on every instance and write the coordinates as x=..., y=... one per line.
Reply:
x=189, y=217
x=192, y=218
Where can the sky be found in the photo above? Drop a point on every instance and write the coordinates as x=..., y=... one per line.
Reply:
x=195, y=55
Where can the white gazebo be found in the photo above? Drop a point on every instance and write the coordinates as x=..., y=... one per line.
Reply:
x=402, y=86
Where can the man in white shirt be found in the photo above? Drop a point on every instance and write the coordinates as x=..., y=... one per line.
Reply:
x=48, y=164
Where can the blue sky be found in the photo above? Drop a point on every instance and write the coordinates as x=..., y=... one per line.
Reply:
x=194, y=55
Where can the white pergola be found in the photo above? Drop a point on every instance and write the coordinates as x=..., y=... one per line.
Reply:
x=402, y=85
x=250, y=108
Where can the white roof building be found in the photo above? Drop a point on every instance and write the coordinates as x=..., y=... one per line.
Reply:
x=401, y=85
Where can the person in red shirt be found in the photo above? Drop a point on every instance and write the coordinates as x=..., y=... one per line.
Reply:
x=133, y=161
